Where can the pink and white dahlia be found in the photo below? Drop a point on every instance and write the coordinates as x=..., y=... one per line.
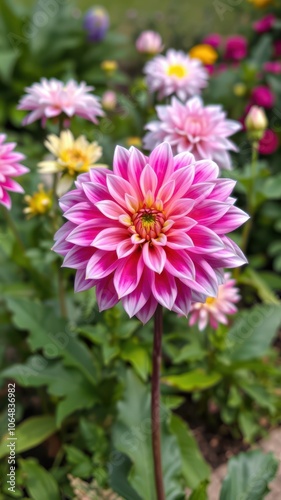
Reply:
x=216, y=309
x=10, y=166
x=191, y=126
x=175, y=73
x=152, y=231
x=50, y=98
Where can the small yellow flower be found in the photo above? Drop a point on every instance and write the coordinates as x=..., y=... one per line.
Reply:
x=239, y=89
x=205, y=53
x=260, y=4
x=109, y=66
x=134, y=141
x=39, y=203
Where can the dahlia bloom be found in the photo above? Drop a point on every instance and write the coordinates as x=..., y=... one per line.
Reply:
x=269, y=143
x=216, y=309
x=50, y=98
x=96, y=23
x=202, y=130
x=149, y=42
x=10, y=166
x=213, y=39
x=152, y=231
x=236, y=48
x=262, y=96
x=175, y=73
x=272, y=67
x=265, y=24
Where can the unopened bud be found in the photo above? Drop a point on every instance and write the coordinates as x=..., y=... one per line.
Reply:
x=256, y=123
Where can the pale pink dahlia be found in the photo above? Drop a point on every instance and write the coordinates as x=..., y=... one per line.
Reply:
x=175, y=73
x=152, y=231
x=216, y=309
x=202, y=130
x=50, y=98
x=10, y=166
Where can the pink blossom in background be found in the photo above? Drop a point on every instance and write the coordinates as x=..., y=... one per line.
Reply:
x=236, y=48
x=50, y=98
x=272, y=67
x=215, y=310
x=277, y=48
x=213, y=39
x=269, y=143
x=175, y=73
x=149, y=42
x=191, y=126
x=152, y=231
x=10, y=167
x=262, y=96
x=265, y=24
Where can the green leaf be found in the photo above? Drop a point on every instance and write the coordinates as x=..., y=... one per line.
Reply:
x=259, y=394
x=193, y=381
x=200, y=493
x=194, y=468
x=262, y=50
x=272, y=187
x=138, y=357
x=253, y=332
x=248, y=425
x=132, y=436
x=39, y=482
x=254, y=279
x=248, y=476
x=30, y=433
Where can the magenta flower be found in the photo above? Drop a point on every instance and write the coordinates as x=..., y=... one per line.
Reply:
x=152, y=231
x=149, y=42
x=236, y=48
x=269, y=143
x=201, y=130
x=213, y=39
x=262, y=96
x=10, y=166
x=265, y=24
x=215, y=310
x=277, y=48
x=175, y=73
x=272, y=67
x=50, y=98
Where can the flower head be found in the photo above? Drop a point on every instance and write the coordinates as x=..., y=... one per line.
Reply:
x=50, y=98
x=216, y=309
x=236, y=48
x=175, y=73
x=272, y=67
x=149, y=42
x=256, y=123
x=269, y=143
x=10, y=167
x=202, y=130
x=152, y=231
x=96, y=23
x=265, y=24
x=109, y=66
x=109, y=100
x=213, y=39
x=39, y=203
x=262, y=96
x=205, y=53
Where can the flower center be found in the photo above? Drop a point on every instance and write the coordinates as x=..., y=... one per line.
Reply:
x=210, y=300
x=76, y=160
x=177, y=70
x=148, y=223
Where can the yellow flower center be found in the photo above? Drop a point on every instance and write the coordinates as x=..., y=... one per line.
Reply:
x=210, y=300
x=39, y=203
x=76, y=160
x=148, y=223
x=177, y=70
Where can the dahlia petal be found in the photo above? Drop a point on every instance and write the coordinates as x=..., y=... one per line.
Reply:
x=166, y=191
x=204, y=240
x=208, y=212
x=183, y=160
x=180, y=264
x=106, y=294
x=147, y=311
x=108, y=239
x=164, y=289
x=233, y=219
x=120, y=162
x=179, y=240
x=183, y=300
x=81, y=283
x=78, y=257
x=84, y=234
x=125, y=248
x=154, y=257
x=95, y=193
x=205, y=170
x=179, y=208
x=101, y=264
x=110, y=209
x=128, y=274
x=161, y=160
x=137, y=299
x=118, y=188
x=148, y=180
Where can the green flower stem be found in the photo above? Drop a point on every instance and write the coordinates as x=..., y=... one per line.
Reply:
x=155, y=403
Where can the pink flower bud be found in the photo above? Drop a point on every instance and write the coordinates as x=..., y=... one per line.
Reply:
x=256, y=123
x=149, y=42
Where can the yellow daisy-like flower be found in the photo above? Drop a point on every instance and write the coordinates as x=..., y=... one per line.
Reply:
x=261, y=4
x=39, y=203
x=71, y=157
x=205, y=53
x=134, y=141
x=109, y=66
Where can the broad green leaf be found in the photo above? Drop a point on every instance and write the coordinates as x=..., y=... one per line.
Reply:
x=248, y=425
x=39, y=482
x=272, y=187
x=262, y=50
x=248, y=476
x=30, y=433
x=200, y=493
x=253, y=332
x=265, y=293
x=132, y=436
x=194, y=468
x=138, y=357
x=193, y=381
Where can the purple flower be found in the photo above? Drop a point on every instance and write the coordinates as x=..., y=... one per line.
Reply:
x=236, y=48
x=262, y=96
x=265, y=24
x=96, y=23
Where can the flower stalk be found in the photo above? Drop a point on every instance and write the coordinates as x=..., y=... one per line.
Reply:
x=155, y=403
